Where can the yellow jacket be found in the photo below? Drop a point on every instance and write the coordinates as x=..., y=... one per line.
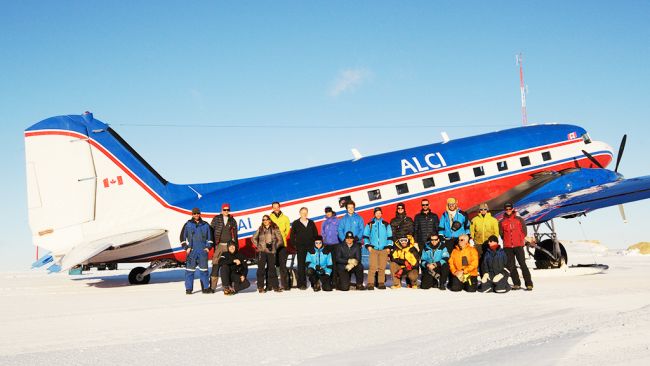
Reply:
x=283, y=223
x=456, y=260
x=482, y=227
x=406, y=257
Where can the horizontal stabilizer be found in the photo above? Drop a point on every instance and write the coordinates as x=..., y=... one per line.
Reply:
x=42, y=261
x=82, y=252
x=55, y=268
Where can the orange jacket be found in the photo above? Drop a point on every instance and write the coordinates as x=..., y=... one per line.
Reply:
x=456, y=260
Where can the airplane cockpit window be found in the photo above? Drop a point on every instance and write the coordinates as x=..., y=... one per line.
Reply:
x=374, y=195
x=586, y=138
x=402, y=188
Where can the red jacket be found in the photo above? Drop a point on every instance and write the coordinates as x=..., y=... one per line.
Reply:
x=513, y=231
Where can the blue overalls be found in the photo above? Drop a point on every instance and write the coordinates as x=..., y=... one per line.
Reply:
x=198, y=237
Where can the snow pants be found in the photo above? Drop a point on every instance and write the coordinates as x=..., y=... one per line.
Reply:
x=230, y=278
x=469, y=286
x=266, y=261
x=345, y=276
x=314, y=277
x=518, y=253
x=196, y=258
x=437, y=279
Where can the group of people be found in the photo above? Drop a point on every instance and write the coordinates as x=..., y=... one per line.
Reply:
x=427, y=251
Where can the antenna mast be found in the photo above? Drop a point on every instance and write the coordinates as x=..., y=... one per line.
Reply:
x=522, y=86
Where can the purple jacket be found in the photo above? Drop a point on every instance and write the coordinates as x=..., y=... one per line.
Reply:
x=330, y=231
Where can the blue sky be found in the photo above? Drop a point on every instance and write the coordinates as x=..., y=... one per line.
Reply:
x=355, y=67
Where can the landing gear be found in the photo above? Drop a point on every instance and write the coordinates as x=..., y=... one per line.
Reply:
x=136, y=276
x=549, y=252
x=141, y=275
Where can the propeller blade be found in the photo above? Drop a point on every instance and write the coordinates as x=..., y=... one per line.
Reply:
x=593, y=160
x=621, y=209
x=621, y=148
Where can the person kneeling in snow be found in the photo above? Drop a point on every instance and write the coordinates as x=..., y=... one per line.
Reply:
x=463, y=264
x=233, y=270
x=404, y=262
x=319, y=266
x=348, y=263
x=494, y=268
x=435, y=269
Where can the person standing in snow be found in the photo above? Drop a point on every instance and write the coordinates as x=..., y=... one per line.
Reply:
x=283, y=223
x=513, y=230
x=196, y=239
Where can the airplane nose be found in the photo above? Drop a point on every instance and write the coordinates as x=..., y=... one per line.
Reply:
x=601, y=151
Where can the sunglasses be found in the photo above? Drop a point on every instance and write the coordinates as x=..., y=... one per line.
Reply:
x=265, y=219
x=436, y=239
x=318, y=242
x=400, y=208
x=425, y=205
x=225, y=209
x=462, y=239
x=484, y=209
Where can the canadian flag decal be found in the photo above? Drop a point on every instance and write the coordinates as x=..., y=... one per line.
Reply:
x=572, y=135
x=113, y=181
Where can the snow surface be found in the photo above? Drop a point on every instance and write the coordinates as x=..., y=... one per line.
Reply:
x=574, y=316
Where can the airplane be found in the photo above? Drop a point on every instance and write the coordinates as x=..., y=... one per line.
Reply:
x=92, y=199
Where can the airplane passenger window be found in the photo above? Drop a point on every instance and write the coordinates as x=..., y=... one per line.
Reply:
x=402, y=188
x=525, y=161
x=428, y=182
x=502, y=165
x=479, y=171
x=374, y=195
x=454, y=177
x=546, y=155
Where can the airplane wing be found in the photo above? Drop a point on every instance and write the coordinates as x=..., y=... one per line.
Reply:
x=538, y=209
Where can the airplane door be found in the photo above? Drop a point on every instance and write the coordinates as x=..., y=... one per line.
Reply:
x=61, y=181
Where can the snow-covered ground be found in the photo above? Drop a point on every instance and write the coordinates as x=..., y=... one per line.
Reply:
x=574, y=316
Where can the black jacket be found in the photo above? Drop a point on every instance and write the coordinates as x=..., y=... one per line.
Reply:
x=342, y=253
x=303, y=236
x=402, y=226
x=218, y=224
x=424, y=226
x=227, y=259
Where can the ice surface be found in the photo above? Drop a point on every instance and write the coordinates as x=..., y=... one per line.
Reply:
x=574, y=316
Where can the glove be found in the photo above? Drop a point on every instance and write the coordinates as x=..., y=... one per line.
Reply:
x=471, y=242
x=498, y=277
x=485, y=278
x=408, y=266
x=399, y=273
x=349, y=267
x=318, y=268
x=353, y=262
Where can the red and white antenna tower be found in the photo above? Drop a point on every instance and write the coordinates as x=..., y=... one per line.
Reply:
x=522, y=86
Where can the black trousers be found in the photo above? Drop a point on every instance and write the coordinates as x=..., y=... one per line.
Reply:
x=345, y=276
x=429, y=281
x=264, y=261
x=314, y=277
x=281, y=261
x=302, y=274
x=518, y=253
x=469, y=286
x=230, y=278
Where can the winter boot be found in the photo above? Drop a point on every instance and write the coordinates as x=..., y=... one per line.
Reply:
x=381, y=286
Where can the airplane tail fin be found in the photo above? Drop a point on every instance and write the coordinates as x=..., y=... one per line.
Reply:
x=84, y=182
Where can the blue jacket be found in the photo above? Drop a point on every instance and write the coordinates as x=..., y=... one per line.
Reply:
x=330, y=231
x=378, y=234
x=196, y=235
x=494, y=261
x=430, y=254
x=445, y=226
x=316, y=257
x=352, y=223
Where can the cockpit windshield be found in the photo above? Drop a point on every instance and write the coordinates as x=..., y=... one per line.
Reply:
x=586, y=138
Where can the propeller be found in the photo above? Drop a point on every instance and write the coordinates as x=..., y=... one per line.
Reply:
x=592, y=159
x=621, y=148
